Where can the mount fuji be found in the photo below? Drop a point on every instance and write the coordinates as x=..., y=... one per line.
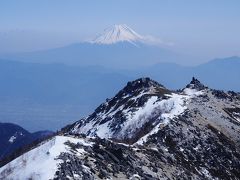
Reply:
x=119, y=33
x=118, y=47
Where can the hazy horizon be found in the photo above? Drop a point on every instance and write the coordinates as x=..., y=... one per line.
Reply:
x=204, y=30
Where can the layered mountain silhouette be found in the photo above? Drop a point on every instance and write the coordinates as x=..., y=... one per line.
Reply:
x=118, y=47
x=54, y=94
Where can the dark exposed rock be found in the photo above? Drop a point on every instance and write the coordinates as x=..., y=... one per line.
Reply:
x=196, y=84
x=132, y=97
x=220, y=94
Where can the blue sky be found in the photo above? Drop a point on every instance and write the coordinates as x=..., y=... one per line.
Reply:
x=204, y=28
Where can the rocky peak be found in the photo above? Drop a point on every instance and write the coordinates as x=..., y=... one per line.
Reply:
x=137, y=92
x=196, y=84
x=131, y=113
x=142, y=84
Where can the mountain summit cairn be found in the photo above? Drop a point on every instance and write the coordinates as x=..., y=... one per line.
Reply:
x=196, y=84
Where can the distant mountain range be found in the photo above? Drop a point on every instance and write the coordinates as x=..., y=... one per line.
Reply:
x=145, y=131
x=50, y=95
x=13, y=137
x=39, y=95
x=58, y=85
x=218, y=73
x=118, y=47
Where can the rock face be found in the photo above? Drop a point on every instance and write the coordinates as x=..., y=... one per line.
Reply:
x=125, y=116
x=196, y=84
x=148, y=132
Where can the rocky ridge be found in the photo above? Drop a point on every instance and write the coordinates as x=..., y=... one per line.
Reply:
x=147, y=132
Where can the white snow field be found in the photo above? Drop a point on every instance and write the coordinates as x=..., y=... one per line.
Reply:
x=41, y=163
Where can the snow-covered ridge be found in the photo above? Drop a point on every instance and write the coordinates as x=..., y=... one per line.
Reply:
x=171, y=108
x=125, y=113
x=176, y=128
x=41, y=162
x=118, y=33
x=143, y=107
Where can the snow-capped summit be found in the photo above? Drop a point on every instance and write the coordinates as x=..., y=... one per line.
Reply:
x=139, y=109
x=118, y=33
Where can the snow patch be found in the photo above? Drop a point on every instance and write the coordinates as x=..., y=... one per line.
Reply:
x=170, y=108
x=236, y=115
x=12, y=139
x=192, y=92
x=135, y=176
x=162, y=110
x=206, y=173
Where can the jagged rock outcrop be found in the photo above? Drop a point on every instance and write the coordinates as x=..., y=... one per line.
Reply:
x=196, y=84
x=132, y=113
